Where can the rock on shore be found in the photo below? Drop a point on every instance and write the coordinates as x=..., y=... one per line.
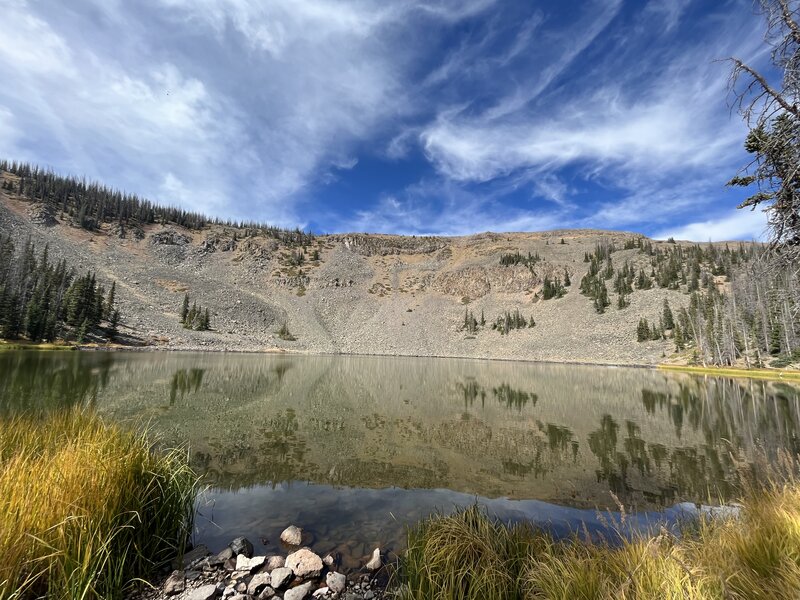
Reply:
x=237, y=573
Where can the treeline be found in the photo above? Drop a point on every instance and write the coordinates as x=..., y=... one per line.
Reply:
x=515, y=258
x=90, y=204
x=755, y=317
x=504, y=323
x=45, y=301
x=745, y=308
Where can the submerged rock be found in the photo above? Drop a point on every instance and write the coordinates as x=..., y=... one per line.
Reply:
x=375, y=562
x=293, y=536
x=242, y=545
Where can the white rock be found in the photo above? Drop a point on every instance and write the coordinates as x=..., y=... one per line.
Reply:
x=280, y=577
x=375, y=562
x=320, y=592
x=328, y=560
x=336, y=581
x=275, y=562
x=304, y=563
x=249, y=564
x=266, y=593
x=292, y=536
x=300, y=592
x=258, y=583
x=206, y=592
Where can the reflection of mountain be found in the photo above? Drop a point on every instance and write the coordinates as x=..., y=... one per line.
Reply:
x=550, y=432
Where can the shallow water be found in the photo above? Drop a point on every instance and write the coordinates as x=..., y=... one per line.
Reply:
x=353, y=449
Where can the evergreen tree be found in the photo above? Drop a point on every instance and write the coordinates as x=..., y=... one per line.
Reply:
x=667, y=318
x=185, y=309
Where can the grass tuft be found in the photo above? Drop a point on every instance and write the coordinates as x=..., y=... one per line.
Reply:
x=468, y=555
x=86, y=507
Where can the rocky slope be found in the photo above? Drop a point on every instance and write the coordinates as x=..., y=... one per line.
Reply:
x=353, y=293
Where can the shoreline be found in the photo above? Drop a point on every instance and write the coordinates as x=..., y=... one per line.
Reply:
x=735, y=372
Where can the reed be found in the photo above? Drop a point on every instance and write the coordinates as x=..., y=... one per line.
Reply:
x=86, y=507
x=468, y=555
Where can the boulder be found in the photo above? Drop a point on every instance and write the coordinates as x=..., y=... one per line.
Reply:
x=300, y=592
x=293, y=536
x=275, y=562
x=304, y=563
x=281, y=577
x=266, y=593
x=241, y=545
x=336, y=582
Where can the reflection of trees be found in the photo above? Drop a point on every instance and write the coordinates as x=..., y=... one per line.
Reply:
x=471, y=392
x=734, y=414
x=35, y=381
x=184, y=381
x=733, y=418
x=513, y=398
x=546, y=455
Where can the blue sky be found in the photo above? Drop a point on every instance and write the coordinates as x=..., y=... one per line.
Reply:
x=404, y=116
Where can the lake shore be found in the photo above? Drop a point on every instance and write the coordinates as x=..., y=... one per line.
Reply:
x=792, y=375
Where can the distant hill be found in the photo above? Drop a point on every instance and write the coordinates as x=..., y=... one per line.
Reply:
x=472, y=296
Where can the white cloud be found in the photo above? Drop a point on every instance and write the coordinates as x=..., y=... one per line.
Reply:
x=739, y=225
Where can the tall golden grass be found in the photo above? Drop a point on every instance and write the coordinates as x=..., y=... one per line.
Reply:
x=755, y=556
x=86, y=507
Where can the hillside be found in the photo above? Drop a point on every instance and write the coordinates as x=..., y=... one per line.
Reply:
x=354, y=293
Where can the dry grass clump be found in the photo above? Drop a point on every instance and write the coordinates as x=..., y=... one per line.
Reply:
x=468, y=555
x=86, y=507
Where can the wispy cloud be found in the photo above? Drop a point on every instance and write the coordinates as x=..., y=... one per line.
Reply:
x=479, y=114
x=732, y=225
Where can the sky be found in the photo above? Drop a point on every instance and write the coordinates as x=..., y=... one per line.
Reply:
x=425, y=117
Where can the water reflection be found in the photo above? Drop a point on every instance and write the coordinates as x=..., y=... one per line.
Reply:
x=35, y=381
x=563, y=434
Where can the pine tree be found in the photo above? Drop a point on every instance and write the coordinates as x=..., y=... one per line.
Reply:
x=112, y=296
x=643, y=331
x=113, y=321
x=668, y=320
x=185, y=309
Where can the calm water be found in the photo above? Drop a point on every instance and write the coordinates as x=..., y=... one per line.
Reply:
x=354, y=448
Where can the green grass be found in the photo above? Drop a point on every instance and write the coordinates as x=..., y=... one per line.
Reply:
x=467, y=555
x=42, y=346
x=86, y=507
x=784, y=375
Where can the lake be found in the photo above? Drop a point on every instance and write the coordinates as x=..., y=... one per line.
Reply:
x=354, y=449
